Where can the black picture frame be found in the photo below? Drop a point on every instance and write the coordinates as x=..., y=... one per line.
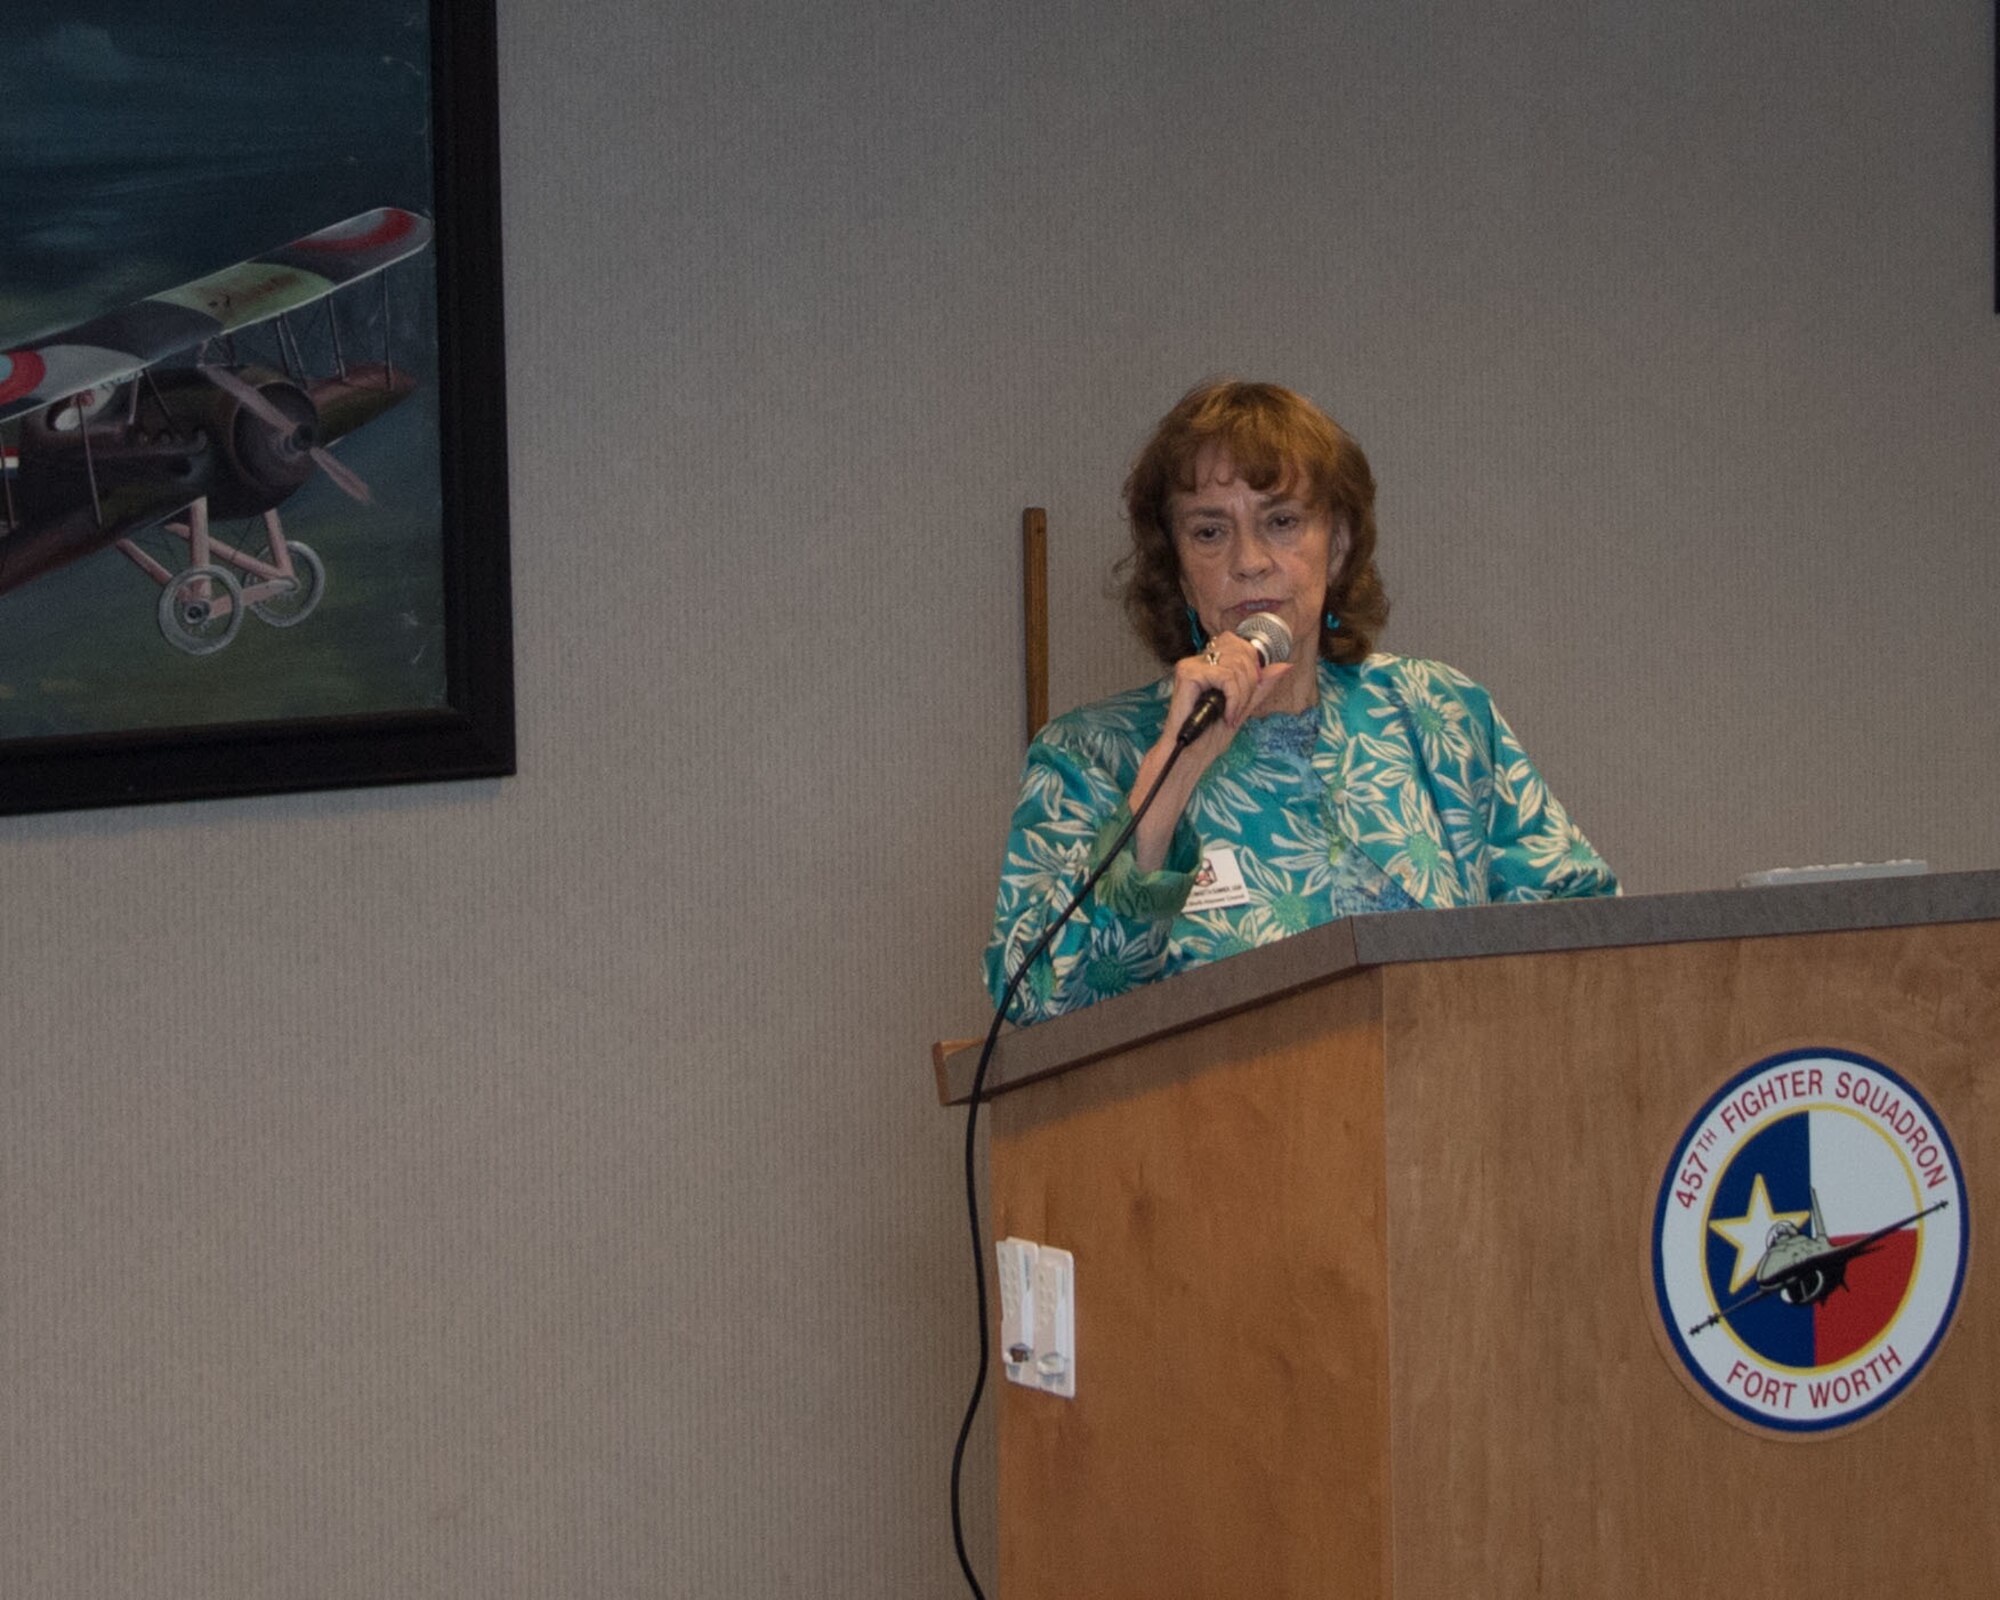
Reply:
x=472, y=734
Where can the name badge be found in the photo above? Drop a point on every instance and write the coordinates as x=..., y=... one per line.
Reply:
x=1218, y=881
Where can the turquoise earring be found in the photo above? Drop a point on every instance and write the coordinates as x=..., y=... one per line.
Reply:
x=1332, y=622
x=1194, y=629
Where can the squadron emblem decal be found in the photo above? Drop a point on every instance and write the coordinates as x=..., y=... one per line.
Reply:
x=1809, y=1242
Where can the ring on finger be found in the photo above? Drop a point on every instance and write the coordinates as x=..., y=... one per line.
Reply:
x=1212, y=654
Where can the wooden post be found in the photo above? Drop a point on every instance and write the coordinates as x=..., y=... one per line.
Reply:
x=1035, y=612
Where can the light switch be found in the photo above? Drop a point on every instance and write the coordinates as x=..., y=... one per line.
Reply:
x=1016, y=1273
x=1055, y=1321
x=1038, y=1315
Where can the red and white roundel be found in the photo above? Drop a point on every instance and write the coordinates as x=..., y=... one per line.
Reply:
x=1809, y=1242
x=21, y=371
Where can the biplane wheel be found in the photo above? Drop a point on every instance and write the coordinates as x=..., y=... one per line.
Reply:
x=200, y=610
x=308, y=589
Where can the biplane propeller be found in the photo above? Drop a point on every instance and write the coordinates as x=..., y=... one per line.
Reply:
x=149, y=418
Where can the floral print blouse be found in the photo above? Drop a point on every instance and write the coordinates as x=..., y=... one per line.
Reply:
x=1405, y=788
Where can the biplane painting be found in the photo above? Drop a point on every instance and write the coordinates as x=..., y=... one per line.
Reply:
x=219, y=494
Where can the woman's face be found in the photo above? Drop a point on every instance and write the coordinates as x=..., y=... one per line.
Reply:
x=1242, y=551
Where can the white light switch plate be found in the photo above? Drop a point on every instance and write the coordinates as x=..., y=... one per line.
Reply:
x=1038, y=1315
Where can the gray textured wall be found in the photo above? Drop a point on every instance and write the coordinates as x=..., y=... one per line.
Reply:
x=533, y=1187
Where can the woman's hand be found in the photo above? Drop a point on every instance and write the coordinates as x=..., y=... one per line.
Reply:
x=1233, y=666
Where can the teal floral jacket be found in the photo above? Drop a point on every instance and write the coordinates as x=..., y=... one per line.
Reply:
x=1405, y=788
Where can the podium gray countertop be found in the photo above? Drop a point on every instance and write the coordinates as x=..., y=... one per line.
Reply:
x=1025, y=1054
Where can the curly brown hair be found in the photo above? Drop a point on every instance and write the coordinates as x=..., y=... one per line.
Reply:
x=1273, y=436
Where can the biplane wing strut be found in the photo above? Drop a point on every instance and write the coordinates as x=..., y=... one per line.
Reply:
x=110, y=348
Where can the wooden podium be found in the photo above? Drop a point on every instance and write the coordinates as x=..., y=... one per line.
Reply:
x=1362, y=1225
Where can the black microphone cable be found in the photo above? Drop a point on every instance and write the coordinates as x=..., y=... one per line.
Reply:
x=971, y=1181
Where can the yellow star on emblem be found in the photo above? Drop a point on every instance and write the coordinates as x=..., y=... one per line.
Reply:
x=1751, y=1232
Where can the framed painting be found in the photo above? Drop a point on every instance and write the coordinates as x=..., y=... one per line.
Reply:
x=253, y=463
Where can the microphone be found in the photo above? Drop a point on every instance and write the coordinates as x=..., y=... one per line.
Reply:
x=1271, y=639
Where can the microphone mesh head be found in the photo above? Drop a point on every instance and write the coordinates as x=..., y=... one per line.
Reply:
x=1269, y=634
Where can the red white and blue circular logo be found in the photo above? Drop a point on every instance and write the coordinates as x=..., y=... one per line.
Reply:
x=1809, y=1242
x=20, y=372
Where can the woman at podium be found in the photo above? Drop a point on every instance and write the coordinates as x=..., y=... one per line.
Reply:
x=1339, y=781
